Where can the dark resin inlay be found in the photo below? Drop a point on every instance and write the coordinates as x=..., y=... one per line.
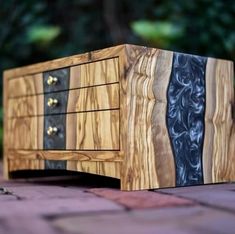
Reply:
x=185, y=116
x=55, y=164
x=58, y=140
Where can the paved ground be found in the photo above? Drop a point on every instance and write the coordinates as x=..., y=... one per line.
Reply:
x=86, y=204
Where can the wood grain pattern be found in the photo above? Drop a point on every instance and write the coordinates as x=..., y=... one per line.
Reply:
x=139, y=171
x=93, y=130
x=94, y=98
x=5, y=130
x=111, y=169
x=97, y=130
x=97, y=156
x=25, y=133
x=218, y=146
x=84, y=99
x=162, y=146
x=27, y=85
x=26, y=106
x=25, y=164
x=97, y=73
x=129, y=138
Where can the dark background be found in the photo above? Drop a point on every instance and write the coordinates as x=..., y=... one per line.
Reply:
x=34, y=31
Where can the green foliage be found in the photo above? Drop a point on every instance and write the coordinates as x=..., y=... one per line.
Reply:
x=159, y=33
x=204, y=27
x=42, y=35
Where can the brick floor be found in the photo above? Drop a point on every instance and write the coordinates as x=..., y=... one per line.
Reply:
x=190, y=219
x=141, y=199
x=91, y=204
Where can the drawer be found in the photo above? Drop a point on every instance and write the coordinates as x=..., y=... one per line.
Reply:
x=27, y=85
x=97, y=73
x=85, y=75
x=25, y=133
x=93, y=130
x=97, y=130
x=76, y=100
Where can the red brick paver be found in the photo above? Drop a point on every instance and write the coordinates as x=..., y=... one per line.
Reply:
x=141, y=199
x=59, y=205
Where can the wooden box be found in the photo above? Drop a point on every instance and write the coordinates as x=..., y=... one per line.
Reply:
x=149, y=117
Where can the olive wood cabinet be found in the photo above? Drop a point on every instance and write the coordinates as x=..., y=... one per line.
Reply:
x=149, y=117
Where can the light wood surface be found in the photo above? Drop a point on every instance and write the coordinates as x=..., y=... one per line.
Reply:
x=93, y=130
x=97, y=156
x=111, y=169
x=94, y=98
x=162, y=147
x=27, y=85
x=25, y=164
x=25, y=133
x=218, y=147
x=97, y=73
x=26, y=106
x=84, y=99
x=139, y=168
x=97, y=130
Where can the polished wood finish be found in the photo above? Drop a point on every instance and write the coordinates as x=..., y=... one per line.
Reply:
x=79, y=100
x=111, y=169
x=97, y=130
x=94, y=98
x=25, y=133
x=25, y=85
x=92, y=74
x=96, y=156
x=116, y=117
x=219, y=140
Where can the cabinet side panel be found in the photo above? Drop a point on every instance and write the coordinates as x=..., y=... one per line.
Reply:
x=5, y=132
x=165, y=165
x=146, y=150
x=218, y=152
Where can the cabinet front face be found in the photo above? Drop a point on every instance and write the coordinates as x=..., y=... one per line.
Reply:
x=80, y=76
x=74, y=108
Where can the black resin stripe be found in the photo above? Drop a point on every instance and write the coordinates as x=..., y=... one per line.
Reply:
x=63, y=80
x=185, y=116
x=56, y=141
x=55, y=164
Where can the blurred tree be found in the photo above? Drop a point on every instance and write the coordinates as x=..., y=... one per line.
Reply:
x=33, y=31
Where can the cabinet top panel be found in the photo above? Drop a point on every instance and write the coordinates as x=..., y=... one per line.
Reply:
x=88, y=57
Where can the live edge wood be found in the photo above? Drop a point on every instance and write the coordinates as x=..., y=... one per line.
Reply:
x=125, y=117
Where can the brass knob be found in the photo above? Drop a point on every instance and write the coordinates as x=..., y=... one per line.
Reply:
x=52, y=80
x=52, y=131
x=52, y=102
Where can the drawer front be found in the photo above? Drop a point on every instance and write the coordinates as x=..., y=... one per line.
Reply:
x=85, y=75
x=97, y=73
x=25, y=133
x=93, y=130
x=55, y=140
x=27, y=85
x=77, y=100
x=97, y=130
